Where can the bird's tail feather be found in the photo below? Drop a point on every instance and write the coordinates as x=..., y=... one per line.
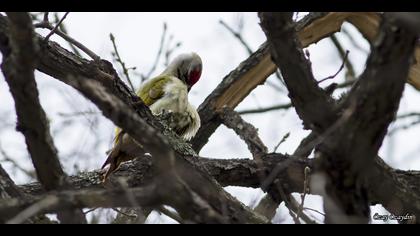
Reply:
x=114, y=160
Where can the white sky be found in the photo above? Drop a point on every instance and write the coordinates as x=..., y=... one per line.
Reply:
x=138, y=38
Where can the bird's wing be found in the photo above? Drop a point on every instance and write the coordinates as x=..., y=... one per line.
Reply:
x=153, y=89
x=149, y=92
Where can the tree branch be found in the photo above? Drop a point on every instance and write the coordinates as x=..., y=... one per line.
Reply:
x=343, y=162
x=100, y=83
x=18, y=68
x=245, y=131
x=306, y=96
x=248, y=75
x=244, y=172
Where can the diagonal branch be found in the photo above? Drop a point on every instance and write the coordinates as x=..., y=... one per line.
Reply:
x=56, y=26
x=18, y=68
x=245, y=131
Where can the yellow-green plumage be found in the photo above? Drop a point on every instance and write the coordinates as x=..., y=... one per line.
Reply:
x=167, y=92
x=152, y=90
x=149, y=93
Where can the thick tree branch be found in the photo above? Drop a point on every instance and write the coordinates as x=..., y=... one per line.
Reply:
x=100, y=83
x=349, y=151
x=18, y=68
x=307, y=98
x=71, y=199
x=244, y=172
x=169, y=167
x=347, y=156
x=245, y=131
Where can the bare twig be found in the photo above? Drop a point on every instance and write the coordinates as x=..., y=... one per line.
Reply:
x=238, y=36
x=78, y=113
x=170, y=50
x=286, y=200
x=120, y=61
x=339, y=70
x=267, y=109
x=55, y=27
x=314, y=210
x=355, y=42
x=159, y=53
x=350, y=75
x=47, y=25
x=63, y=28
x=407, y=115
x=304, y=192
x=90, y=210
x=281, y=141
x=403, y=127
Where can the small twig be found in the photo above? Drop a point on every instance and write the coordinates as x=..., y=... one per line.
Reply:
x=238, y=36
x=281, y=141
x=286, y=201
x=314, y=210
x=56, y=27
x=120, y=61
x=90, y=210
x=159, y=53
x=267, y=109
x=274, y=86
x=63, y=28
x=305, y=191
x=403, y=127
x=79, y=113
x=353, y=40
x=339, y=70
x=407, y=115
x=308, y=146
x=350, y=75
x=47, y=25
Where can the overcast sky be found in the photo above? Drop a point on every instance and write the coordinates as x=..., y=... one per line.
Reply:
x=138, y=38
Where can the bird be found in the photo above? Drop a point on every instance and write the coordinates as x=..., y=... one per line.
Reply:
x=164, y=94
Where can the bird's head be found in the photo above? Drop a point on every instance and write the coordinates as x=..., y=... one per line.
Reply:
x=187, y=67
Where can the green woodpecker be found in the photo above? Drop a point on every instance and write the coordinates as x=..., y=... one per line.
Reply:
x=166, y=93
